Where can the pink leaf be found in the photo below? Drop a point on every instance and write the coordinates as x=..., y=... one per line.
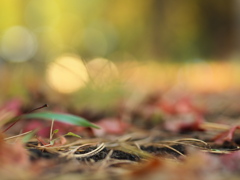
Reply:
x=111, y=126
x=183, y=125
x=225, y=136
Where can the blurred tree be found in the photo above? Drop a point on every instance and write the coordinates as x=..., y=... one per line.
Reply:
x=187, y=29
x=158, y=29
x=217, y=28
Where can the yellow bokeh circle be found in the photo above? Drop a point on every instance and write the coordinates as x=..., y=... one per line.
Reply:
x=67, y=74
x=102, y=71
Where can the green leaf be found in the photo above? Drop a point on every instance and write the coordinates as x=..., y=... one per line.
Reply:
x=52, y=142
x=67, y=118
x=72, y=134
x=28, y=136
x=55, y=131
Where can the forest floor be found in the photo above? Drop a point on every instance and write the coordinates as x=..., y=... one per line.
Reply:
x=169, y=137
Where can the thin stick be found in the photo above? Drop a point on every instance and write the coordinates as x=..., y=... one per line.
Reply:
x=43, y=106
x=192, y=139
x=217, y=126
x=19, y=117
x=51, y=130
x=19, y=135
x=91, y=153
x=173, y=149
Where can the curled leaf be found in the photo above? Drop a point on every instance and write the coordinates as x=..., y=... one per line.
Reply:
x=72, y=134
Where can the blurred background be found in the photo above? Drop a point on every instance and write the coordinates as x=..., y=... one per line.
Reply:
x=100, y=50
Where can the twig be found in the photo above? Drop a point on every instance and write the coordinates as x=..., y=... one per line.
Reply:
x=19, y=117
x=19, y=135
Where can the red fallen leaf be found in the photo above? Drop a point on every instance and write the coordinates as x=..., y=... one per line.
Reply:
x=43, y=131
x=13, y=154
x=32, y=125
x=167, y=107
x=61, y=140
x=41, y=141
x=197, y=166
x=110, y=126
x=183, y=125
x=185, y=105
x=225, y=136
x=153, y=165
x=181, y=106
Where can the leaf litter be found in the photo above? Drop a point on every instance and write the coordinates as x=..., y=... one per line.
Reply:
x=158, y=139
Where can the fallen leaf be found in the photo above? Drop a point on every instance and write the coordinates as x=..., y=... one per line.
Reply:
x=111, y=126
x=14, y=155
x=190, y=123
x=225, y=136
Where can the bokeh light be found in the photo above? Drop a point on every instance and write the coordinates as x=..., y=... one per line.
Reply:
x=18, y=44
x=102, y=71
x=143, y=47
x=67, y=74
x=206, y=77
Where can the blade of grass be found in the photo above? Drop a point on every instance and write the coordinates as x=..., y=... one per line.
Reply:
x=67, y=118
x=19, y=135
x=28, y=136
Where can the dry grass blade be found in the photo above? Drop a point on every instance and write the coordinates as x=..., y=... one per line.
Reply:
x=131, y=148
x=119, y=161
x=144, y=140
x=105, y=164
x=19, y=135
x=91, y=153
x=188, y=142
x=173, y=149
x=78, y=142
x=73, y=149
x=193, y=140
x=214, y=126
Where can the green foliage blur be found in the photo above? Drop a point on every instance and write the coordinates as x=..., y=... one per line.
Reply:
x=34, y=33
x=152, y=29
